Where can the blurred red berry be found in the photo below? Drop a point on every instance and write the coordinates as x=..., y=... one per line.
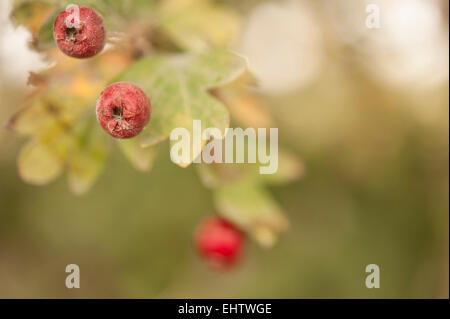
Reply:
x=219, y=242
x=79, y=32
x=123, y=110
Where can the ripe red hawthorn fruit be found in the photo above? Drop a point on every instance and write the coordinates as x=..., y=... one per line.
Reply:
x=123, y=110
x=219, y=242
x=79, y=38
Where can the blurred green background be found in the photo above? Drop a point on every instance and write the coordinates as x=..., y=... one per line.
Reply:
x=366, y=111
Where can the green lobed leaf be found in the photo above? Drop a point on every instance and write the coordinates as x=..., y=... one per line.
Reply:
x=177, y=88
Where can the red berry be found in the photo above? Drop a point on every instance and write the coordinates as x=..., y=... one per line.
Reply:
x=123, y=110
x=79, y=32
x=219, y=242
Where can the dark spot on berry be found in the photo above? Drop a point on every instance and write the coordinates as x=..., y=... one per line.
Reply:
x=71, y=34
x=117, y=111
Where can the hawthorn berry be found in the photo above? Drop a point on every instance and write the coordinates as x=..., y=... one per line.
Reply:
x=123, y=110
x=219, y=242
x=79, y=32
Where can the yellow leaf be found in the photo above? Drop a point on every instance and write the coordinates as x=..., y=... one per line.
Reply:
x=39, y=163
x=49, y=112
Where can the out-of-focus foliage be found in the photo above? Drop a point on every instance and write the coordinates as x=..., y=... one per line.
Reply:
x=375, y=148
x=199, y=25
x=58, y=119
x=240, y=195
x=59, y=116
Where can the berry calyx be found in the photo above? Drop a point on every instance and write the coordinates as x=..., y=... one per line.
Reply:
x=219, y=242
x=123, y=110
x=79, y=32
